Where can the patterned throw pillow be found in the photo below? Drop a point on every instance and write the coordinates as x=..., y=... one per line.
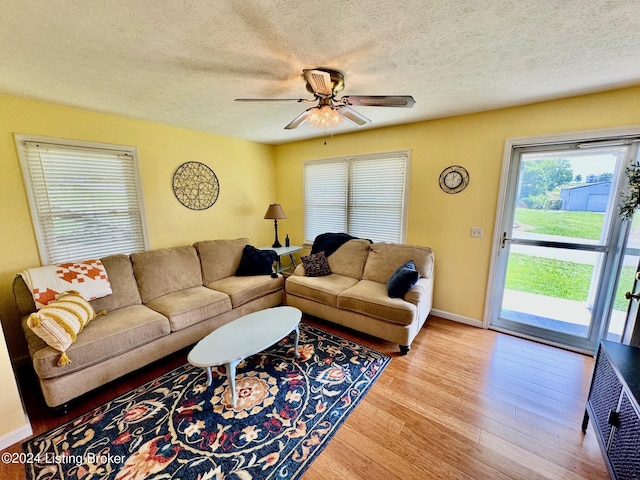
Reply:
x=256, y=262
x=316, y=265
x=59, y=323
x=401, y=281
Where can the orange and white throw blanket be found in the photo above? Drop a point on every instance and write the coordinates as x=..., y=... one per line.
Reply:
x=89, y=278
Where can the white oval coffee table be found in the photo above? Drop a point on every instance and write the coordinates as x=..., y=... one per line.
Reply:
x=243, y=337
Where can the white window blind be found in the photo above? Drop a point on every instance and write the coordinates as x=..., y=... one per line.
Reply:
x=85, y=202
x=325, y=197
x=363, y=196
x=376, y=198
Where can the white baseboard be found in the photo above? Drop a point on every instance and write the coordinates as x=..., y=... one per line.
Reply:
x=457, y=318
x=17, y=435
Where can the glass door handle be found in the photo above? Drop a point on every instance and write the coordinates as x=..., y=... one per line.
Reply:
x=504, y=239
x=629, y=295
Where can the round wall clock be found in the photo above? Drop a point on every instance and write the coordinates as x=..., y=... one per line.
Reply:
x=195, y=185
x=454, y=179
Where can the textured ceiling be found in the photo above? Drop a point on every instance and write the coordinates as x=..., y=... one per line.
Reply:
x=183, y=62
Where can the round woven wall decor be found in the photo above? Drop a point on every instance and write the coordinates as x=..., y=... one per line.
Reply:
x=195, y=185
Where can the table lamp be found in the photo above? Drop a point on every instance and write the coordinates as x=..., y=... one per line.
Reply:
x=275, y=212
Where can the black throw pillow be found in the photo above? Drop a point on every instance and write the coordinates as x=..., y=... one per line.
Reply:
x=401, y=281
x=256, y=262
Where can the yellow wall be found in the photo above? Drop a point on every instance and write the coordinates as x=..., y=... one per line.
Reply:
x=244, y=169
x=443, y=221
x=252, y=175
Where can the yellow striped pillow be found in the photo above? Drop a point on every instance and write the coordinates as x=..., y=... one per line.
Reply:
x=59, y=323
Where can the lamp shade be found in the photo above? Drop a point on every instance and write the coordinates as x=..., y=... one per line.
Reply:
x=323, y=116
x=275, y=211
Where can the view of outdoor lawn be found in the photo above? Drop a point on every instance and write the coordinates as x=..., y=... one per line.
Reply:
x=556, y=278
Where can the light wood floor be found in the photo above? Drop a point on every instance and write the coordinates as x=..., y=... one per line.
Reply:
x=465, y=403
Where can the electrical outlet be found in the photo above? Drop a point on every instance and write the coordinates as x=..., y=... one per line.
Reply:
x=476, y=232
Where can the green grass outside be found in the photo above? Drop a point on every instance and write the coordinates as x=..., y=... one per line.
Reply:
x=555, y=278
x=560, y=222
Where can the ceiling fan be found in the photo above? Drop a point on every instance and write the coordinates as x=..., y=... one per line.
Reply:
x=324, y=84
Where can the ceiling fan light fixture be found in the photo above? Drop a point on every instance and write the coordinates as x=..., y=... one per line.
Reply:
x=323, y=116
x=324, y=84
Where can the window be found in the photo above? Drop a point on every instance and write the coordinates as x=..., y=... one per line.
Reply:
x=363, y=196
x=85, y=199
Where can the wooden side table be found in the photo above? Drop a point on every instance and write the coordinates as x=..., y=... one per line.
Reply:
x=283, y=252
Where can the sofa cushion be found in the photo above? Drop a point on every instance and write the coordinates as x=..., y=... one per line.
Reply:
x=60, y=321
x=316, y=265
x=319, y=289
x=349, y=259
x=220, y=258
x=402, y=280
x=190, y=306
x=256, y=262
x=370, y=298
x=166, y=270
x=107, y=336
x=123, y=284
x=243, y=290
x=384, y=259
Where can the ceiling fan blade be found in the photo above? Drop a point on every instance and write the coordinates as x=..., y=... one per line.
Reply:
x=299, y=100
x=319, y=81
x=297, y=121
x=351, y=114
x=405, y=101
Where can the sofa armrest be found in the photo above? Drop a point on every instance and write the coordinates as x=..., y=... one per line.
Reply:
x=299, y=271
x=23, y=296
x=422, y=291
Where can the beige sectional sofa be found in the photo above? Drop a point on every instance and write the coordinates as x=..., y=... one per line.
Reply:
x=163, y=300
x=355, y=293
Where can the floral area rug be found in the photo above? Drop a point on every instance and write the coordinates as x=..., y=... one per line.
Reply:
x=175, y=427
